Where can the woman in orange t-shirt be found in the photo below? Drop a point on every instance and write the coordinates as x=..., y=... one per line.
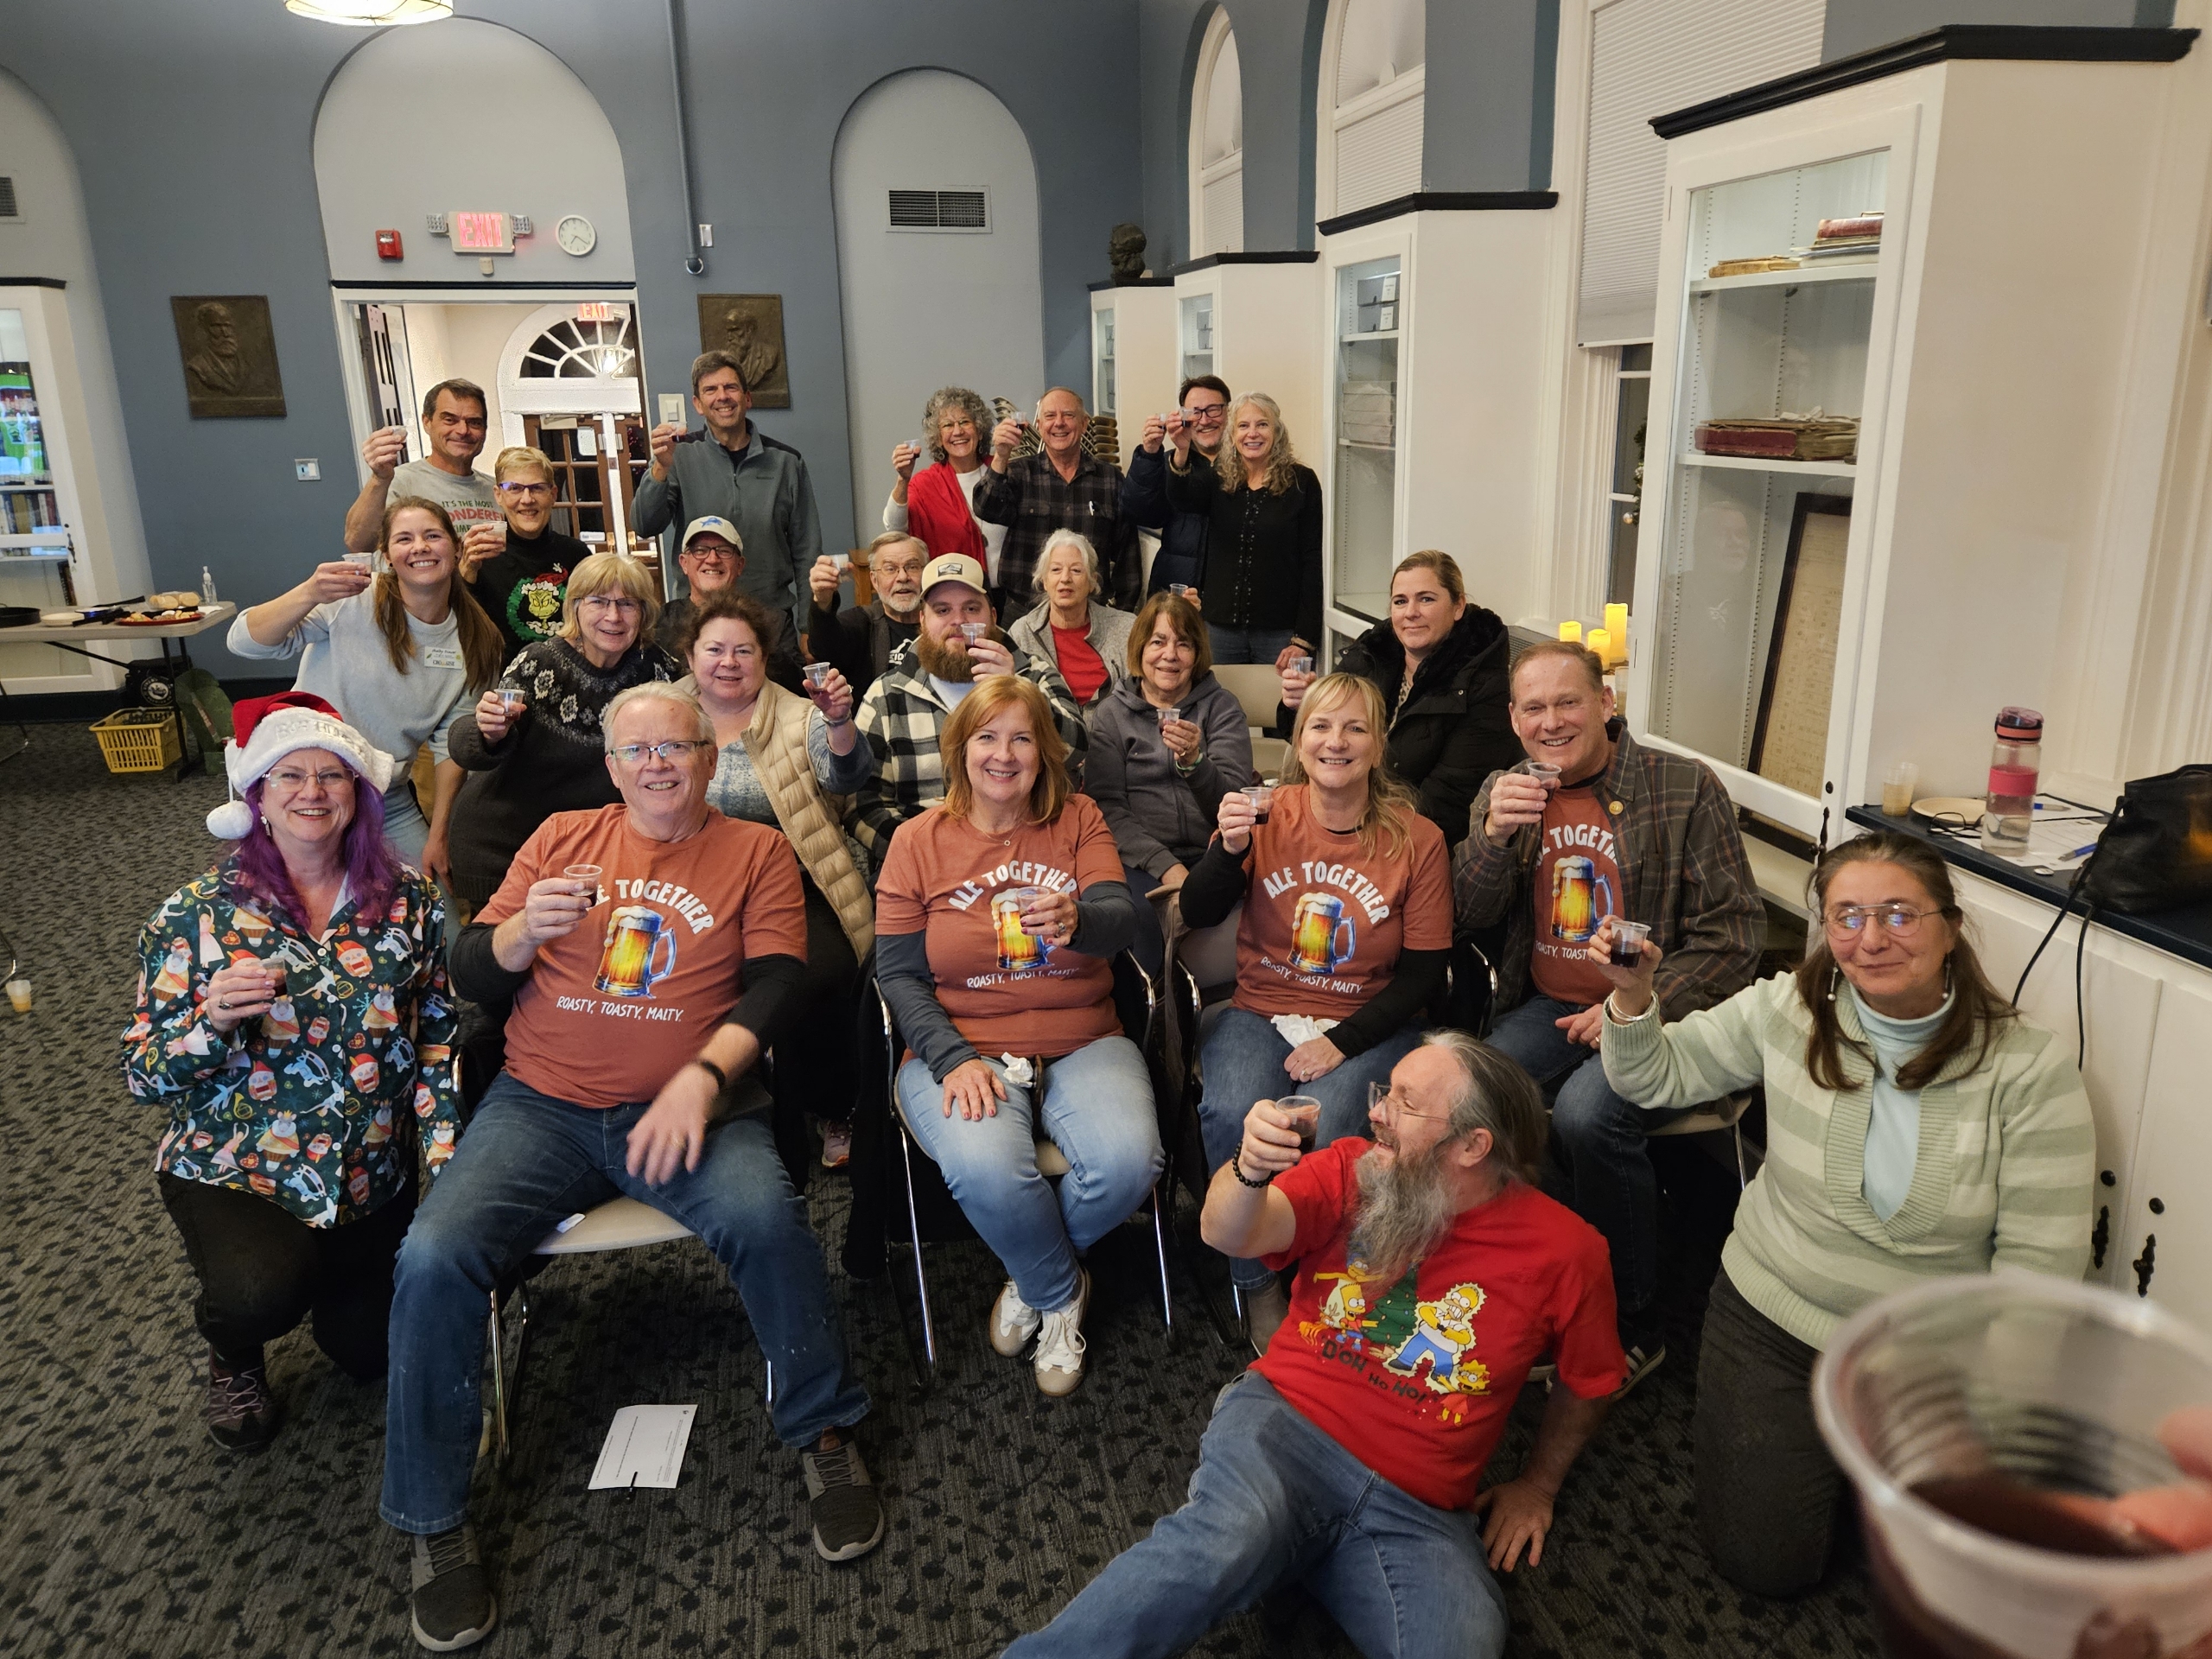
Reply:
x=1347, y=926
x=996, y=916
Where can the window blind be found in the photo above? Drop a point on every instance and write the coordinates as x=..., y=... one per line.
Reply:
x=1378, y=155
x=1648, y=57
x=1222, y=209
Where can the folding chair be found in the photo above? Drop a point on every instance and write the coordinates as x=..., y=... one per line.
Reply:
x=1136, y=1002
x=1258, y=689
x=1727, y=1113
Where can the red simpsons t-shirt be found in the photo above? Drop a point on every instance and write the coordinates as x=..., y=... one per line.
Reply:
x=614, y=1009
x=1324, y=921
x=1416, y=1379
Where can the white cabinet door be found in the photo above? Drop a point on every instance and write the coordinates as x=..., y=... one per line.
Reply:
x=2165, y=1243
x=2121, y=988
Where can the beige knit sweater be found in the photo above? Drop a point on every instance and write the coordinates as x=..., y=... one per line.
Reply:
x=2003, y=1176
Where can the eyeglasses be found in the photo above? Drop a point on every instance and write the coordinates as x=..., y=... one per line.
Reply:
x=292, y=781
x=623, y=603
x=1207, y=414
x=708, y=554
x=1380, y=1094
x=1899, y=921
x=675, y=749
x=527, y=492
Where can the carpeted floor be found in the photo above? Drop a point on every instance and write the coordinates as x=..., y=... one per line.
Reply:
x=124, y=1532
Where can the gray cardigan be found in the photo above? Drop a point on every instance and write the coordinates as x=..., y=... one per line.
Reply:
x=1159, y=817
x=1110, y=637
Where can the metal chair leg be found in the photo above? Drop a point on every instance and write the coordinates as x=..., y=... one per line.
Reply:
x=499, y=1336
x=1743, y=1179
x=772, y=1380
x=1159, y=1243
x=915, y=1233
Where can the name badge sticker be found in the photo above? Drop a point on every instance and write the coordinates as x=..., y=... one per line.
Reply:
x=441, y=656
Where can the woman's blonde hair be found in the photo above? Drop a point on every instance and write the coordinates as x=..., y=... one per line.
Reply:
x=1051, y=790
x=1282, y=459
x=521, y=458
x=1391, y=807
x=609, y=572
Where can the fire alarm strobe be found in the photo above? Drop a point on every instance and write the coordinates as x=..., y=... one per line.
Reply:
x=388, y=246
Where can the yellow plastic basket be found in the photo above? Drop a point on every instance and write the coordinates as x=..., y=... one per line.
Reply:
x=139, y=740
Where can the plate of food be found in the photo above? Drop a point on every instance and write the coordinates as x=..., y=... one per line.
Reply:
x=158, y=619
x=1949, y=809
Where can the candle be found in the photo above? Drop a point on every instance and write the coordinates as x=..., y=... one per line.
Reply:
x=1616, y=626
x=1601, y=642
x=1571, y=631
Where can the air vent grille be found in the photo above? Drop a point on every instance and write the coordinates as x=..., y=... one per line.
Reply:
x=940, y=210
x=8, y=208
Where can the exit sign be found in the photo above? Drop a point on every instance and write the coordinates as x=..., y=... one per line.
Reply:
x=598, y=311
x=481, y=232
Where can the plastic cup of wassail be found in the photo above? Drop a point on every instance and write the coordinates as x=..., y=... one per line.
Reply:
x=1023, y=898
x=366, y=561
x=1543, y=771
x=1628, y=942
x=971, y=632
x=1167, y=715
x=19, y=993
x=512, y=698
x=1261, y=796
x=1181, y=589
x=1300, y=665
x=817, y=674
x=1985, y=1423
x=842, y=561
x=1305, y=1113
x=583, y=874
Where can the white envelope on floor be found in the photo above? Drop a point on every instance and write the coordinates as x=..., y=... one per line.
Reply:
x=644, y=1446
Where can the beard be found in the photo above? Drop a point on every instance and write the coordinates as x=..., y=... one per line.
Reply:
x=943, y=660
x=1405, y=1209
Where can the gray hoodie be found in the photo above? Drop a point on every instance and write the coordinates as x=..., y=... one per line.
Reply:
x=1159, y=817
x=1108, y=637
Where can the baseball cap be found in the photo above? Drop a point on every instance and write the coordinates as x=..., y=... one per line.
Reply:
x=721, y=527
x=954, y=566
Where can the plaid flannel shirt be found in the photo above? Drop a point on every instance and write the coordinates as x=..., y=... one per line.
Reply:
x=901, y=716
x=1032, y=500
x=1683, y=870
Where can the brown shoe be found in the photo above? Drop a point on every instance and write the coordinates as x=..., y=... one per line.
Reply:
x=1059, y=1344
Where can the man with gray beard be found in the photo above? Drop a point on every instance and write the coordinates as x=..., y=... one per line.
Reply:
x=1431, y=1275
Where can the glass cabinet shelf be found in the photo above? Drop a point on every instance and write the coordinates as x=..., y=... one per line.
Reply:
x=1196, y=329
x=1363, y=505
x=1752, y=547
x=1101, y=361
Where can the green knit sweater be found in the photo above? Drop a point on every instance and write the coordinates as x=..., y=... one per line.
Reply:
x=2003, y=1176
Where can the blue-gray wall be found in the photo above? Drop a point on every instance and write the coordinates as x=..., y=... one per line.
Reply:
x=192, y=126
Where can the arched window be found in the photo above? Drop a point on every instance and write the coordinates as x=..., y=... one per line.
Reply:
x=1373, y=72
x=571, y=350
x=1217, y=144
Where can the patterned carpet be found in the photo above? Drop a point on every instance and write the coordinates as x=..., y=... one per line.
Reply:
x=124, y=1532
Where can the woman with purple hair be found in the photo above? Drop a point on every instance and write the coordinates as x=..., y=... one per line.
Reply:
x=292, y=1019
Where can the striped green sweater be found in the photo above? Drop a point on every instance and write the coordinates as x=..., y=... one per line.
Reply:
x=2003, y=1175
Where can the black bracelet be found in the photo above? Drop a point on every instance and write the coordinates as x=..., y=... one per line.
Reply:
x=1236, y=1168
x=721, y=1076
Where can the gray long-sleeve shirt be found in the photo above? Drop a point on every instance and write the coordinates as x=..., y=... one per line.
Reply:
x=763, y=489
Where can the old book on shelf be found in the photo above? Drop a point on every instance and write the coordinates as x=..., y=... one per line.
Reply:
x=1814, y=437
x=1752, y=267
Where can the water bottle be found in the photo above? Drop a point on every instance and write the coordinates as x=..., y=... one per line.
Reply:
x=207, y=585
x=2013, y=764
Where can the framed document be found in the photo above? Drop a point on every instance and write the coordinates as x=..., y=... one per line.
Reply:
x=1791, y=741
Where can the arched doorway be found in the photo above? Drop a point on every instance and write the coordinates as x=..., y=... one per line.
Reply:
x=938, y=262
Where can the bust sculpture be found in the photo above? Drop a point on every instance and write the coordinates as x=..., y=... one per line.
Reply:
x=1125, y=252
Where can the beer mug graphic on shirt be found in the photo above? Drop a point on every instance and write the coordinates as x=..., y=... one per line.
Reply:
x=627, y=965
x=1580, y=899
x=1019, y=950
x=1321, y=935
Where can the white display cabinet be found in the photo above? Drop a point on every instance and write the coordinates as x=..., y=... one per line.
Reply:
x=1251, y=318
x=55, y=550
x=1979, y=346
x=1134, y=352
x=1431, y=308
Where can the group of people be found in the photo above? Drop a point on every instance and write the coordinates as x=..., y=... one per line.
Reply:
x=668, y=849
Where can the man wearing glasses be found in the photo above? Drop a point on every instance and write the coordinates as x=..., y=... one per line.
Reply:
x=519, y=568
x=651, y=949
x=1431, y=1275
x=1182, y=555
x=712, y=558
x=454, y=421
x=1591, y=825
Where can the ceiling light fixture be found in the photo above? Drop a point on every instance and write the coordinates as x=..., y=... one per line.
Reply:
x=372, y=14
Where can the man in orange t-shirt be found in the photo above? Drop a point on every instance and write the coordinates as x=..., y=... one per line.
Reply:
x=649, y=950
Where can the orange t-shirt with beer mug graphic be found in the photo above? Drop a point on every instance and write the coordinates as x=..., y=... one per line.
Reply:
x=1578, y=886
x=614, y=1009
x=1006, y=991
x=1323, y=922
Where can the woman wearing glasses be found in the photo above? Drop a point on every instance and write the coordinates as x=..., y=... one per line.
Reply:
x=532, y=746
x=791, y=762
x=519, y=569
x=1917, y=1126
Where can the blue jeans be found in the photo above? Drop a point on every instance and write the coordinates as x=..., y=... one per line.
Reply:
x=1610, y=1185
x=1275, y=1501
x=1244, y=1059
x=526, y=1162
x=1248, y=645
x=1096, y=1109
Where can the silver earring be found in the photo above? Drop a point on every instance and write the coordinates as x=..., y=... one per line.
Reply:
x=1835, y=978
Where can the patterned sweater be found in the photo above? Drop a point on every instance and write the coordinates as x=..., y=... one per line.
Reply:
x=298, y=1107
x=2003, y=1176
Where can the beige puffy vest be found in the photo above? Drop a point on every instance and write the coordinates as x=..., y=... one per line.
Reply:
x=776, y=740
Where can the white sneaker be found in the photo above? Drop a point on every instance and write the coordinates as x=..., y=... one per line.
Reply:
x=1059, y=1345
x=1013, y=1322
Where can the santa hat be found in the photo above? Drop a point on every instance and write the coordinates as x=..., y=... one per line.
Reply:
x=268, y=729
